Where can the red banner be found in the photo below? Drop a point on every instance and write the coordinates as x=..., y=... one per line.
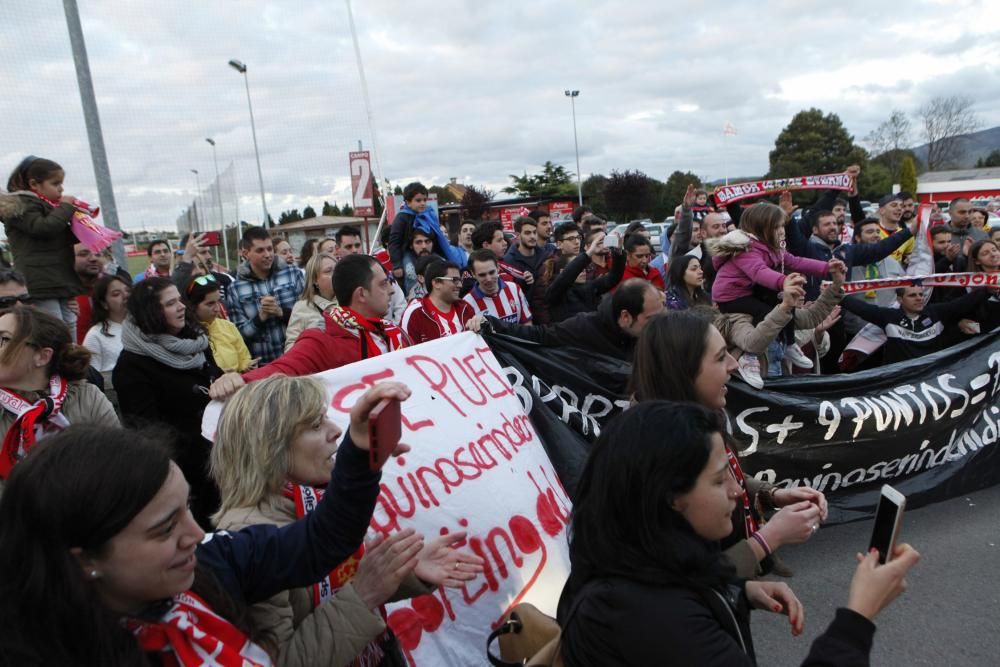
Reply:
x=727, y=194
x=935, y=280
x=361, y=184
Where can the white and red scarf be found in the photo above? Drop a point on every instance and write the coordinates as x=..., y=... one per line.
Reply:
x=749, y=522
x=727, y=194
x=367, y=329
x=306, y=499
x=934, y=280
x=31, y=420
x=191, y=634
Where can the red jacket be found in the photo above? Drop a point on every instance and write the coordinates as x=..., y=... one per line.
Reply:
x=421, y=325
x=653, y=275
x=315, y=351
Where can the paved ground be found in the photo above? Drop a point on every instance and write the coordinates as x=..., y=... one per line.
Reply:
x=949, y=616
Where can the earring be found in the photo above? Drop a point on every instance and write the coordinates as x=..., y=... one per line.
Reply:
x=93, y=574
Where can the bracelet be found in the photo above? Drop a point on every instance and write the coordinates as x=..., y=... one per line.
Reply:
x=770, y=496
x=762, y=542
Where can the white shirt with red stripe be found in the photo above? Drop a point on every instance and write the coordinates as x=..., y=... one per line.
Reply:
x=508, y=304
x=421, y=315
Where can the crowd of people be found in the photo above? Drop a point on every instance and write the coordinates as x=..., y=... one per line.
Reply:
x=104, y=379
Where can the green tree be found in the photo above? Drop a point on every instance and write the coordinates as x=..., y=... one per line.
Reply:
x=630, y=194
x=308, y=212
x=812, y=143
x=476, y=201
x=347, y=211
x=444, y=195
x=991, y=160
x=875, y=181
x=674, y=188
x=553, y=180
x=908, y=176
x=289, y=216
x=330, y=210
x=593, y=193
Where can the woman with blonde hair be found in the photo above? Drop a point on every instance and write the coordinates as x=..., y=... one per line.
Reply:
x=274, y=446
x=318, y=296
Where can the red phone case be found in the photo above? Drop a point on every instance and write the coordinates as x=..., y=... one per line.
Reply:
x=384, y=426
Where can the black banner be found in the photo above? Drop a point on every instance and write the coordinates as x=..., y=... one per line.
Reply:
x=927, y=427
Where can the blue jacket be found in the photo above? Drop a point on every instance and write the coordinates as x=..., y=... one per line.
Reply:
x=260, y=561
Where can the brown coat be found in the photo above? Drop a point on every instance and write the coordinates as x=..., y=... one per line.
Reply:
x=332, y=634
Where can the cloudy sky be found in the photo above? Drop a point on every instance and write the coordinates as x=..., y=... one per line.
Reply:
x=471, y=90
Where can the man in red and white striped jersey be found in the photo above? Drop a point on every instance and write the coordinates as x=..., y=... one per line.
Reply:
x=442, y=312
x=493, y=296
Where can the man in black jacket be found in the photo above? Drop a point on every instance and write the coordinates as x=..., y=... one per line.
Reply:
x=611, y=330
x=570, y=292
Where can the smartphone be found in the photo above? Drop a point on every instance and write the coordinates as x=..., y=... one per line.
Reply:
x=888, y=519
x=212, y=239
x=384, y=425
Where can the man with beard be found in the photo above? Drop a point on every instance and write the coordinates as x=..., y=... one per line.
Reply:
x=442, y=312
x=420, y=246
x=87, y=265
x=962, y=229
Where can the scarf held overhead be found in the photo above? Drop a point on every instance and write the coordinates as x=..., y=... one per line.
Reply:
x=727, y=194
x=30, y=420
x=933, y=280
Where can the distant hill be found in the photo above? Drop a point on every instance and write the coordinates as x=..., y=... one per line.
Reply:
x=973, y=146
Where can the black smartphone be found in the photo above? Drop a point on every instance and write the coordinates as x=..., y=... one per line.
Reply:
x=384, y=427
x=888, y=519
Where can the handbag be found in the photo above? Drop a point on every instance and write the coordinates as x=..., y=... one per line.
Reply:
x=527, y=637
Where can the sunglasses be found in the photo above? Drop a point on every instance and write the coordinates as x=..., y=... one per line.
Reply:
x=455, y=280
x=10, y=301
x=204, y=281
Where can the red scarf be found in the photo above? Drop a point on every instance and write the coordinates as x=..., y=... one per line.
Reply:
x=30, y=421
x=306, y=499
x=192, y=634
x=367, y=329
x=734, y=466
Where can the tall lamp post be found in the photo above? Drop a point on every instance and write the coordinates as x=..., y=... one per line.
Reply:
x=218, y=194
x=197, y=195
x=242, y=69
x=572, y=95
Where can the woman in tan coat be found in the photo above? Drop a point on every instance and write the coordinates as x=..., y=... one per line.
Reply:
x=317, y=297
x=273, y=444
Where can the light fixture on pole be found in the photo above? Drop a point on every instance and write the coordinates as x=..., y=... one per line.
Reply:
x=242, y=69
x=572, y=95
x=197, y=194
x=218, y=194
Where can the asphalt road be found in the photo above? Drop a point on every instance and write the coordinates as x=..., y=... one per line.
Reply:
x=950, y=613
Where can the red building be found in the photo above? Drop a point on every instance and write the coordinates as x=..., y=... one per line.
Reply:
x=970, y=183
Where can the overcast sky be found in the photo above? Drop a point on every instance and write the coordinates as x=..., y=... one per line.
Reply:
x=471, y=90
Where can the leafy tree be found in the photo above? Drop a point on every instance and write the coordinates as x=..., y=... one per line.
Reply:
x=813, y=143
x=308, y=212
x=908, y=176
x=875, y=180
x=347, y=211
x=630, y=194
x=398, y=190
x=552, y=181
x=476, y=201
x=674, y=188
x=593, y=193
x=991, y=160
x=330, y=210
x=889, y=140
x=444, y=195
x=289, y=216
x=944, y=121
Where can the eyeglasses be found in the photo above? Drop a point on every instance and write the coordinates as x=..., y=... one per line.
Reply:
x=11, y=301
x=207, y=279
x=571, y=237
x=454, y=279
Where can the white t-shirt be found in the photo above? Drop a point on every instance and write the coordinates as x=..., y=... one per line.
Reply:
x=105, y=349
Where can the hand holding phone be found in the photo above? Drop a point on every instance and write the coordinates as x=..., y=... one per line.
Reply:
x=888, y=519
x=384, y=429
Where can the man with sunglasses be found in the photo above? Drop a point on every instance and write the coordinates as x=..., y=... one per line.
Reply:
x=442, y=312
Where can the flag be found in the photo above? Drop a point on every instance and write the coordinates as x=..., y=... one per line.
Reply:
x=729, y=130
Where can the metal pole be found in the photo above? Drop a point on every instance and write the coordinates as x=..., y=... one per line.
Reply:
x=572, y=95
x=256, y=151
x=218, y=193
x=197, y=196
x=99, y=157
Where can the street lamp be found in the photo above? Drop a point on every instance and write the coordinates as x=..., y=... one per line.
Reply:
x=242, y=69
x=572, y=95
x=197, y=208
x=218, y=194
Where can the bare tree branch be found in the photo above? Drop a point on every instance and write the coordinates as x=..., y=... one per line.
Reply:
x=945, y=120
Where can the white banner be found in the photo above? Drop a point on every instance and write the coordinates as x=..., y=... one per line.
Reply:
x=478, y=465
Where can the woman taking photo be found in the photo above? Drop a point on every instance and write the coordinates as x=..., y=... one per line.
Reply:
x=648, y=585
x=274, y=445
x=229, y=350
x=42, y=383
x=685, y=284
x=104, y=338
x=162, y=377
x=307, y=313
x=680, y=356
x=114, y=563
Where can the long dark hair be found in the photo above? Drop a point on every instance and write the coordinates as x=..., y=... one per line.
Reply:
x=145, y=310
x=100, y=313
x=675, y=278
x=78, y=488
x=623, y=521
x=668, y=356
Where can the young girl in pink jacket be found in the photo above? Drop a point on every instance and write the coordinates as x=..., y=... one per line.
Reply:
x=751, y=266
